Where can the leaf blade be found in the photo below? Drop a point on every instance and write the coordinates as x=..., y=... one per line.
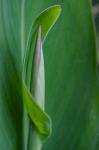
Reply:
x=39, y=118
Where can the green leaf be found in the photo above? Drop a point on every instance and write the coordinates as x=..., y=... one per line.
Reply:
x=70, y=68
x=10, y=73
x=46, y=20
x=34, y=63
x=13, y=41
x=39, y=118
x=71, y=81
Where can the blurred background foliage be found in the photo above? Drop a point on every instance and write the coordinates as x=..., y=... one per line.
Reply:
x=70, y=133
x=96, y=16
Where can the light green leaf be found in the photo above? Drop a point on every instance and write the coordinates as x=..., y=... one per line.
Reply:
x=46, y=20
x=39, y=118
x=34, y=63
